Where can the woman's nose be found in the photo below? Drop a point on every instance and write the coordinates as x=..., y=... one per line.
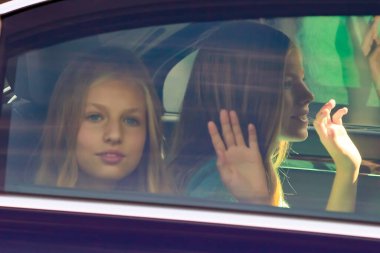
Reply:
x=113, y=132
x=304, y=94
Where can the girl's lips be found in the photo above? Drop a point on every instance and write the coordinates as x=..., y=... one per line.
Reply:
x=111, y=158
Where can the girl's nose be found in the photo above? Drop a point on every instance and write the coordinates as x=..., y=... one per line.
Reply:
x=113, y=133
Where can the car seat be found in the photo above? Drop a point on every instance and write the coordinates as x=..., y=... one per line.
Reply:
x=32, y=77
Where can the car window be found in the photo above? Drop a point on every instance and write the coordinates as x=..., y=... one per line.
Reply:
x=124, y=114
x=175, y=84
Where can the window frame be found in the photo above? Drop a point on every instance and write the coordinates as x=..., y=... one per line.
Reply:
x=18, y=29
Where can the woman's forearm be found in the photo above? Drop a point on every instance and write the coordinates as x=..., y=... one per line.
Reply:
x=343, y=192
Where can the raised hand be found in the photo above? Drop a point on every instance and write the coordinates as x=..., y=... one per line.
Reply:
x=334, y=137
x=240, y=165
x=346, y=157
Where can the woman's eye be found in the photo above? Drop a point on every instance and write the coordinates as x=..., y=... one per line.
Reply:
x=288, y=84
x=131, y=121
x=95, y=117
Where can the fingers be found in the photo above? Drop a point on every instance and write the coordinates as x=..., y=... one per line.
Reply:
x=329, y=105
x=374, y=64
x=374, y=51
x=252, y=136
x=216, y=140
x=367, y=43
x=320, y=122
x=219, y=147
x=231, y=131
x=374, y=56
x=228, y=135
x=337, y=117
x=377, y=41
x=323, y=116
x=323, y=119
x=370, y=37
x=236, y=128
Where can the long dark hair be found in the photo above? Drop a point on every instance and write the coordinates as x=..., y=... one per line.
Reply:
x=240, y=67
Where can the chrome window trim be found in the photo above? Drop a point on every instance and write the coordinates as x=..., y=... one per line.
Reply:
x=217, y=217
x=17, y=4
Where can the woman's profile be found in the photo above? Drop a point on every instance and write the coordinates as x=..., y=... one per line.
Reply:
x=249, y=77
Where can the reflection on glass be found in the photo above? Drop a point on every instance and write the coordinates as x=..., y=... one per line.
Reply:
x=235, y=95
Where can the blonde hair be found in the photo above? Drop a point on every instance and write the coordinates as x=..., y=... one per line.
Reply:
x=59, y=166
x=240, y=67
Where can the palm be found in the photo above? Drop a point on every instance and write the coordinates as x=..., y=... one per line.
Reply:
x=243, y=173
x=240, y=165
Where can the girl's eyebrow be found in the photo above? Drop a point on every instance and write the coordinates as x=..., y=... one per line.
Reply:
x=134, y=110
x=97, y=106
x=129, y=110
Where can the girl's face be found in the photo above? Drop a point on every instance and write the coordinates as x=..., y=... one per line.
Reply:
x=112, y=132
x=297, y=98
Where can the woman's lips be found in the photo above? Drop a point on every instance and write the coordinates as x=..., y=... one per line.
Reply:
x=111, y=158
x=302, y=118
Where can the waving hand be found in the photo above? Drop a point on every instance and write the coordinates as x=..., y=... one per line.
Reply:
x=334, y=137
x=346, y=157
x=240, y=165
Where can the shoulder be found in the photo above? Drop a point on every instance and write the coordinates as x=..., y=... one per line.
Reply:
x=207, y=184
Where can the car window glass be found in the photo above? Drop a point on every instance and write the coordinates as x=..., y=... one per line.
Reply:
x=325, y=58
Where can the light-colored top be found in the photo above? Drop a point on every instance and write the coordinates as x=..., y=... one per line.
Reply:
x=207, y=184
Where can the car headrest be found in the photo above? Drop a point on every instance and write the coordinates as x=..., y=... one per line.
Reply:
x=176, y=82
x=37, y=71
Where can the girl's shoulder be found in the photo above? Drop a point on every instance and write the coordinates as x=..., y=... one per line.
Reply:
x=207, y=184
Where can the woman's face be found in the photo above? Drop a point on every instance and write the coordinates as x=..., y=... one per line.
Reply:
x=296, y=100
x=112, y=132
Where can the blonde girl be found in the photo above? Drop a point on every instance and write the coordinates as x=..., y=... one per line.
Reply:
x=102, y=130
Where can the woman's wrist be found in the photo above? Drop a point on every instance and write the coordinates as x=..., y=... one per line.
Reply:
x=347, y=176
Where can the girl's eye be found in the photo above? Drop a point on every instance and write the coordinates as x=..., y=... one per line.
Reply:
x=94, y=117
x=131, y=121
